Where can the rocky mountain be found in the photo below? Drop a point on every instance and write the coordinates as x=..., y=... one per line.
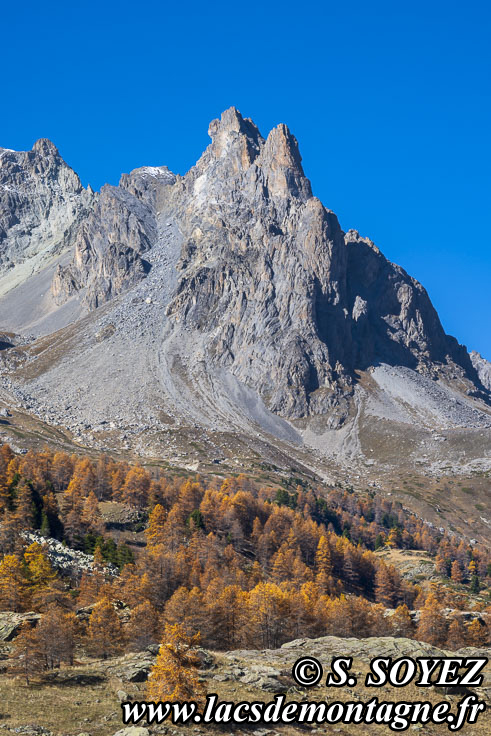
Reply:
x=227, y=309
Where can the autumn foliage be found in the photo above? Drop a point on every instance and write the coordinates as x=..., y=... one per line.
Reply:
x=238, y=564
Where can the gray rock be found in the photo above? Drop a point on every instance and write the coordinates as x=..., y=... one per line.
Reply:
x=42, y=203
x=229, y=297
x=483, y=368
x=11, y=622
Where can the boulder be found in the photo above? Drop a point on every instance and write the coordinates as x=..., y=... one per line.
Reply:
x=10, y=623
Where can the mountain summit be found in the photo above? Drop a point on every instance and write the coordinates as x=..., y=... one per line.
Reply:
x=229, y=300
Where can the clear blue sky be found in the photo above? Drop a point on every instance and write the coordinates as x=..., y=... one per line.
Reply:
x=390, y=102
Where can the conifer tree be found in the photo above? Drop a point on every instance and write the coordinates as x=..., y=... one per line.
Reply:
x=441, y=565
x=384, y=588
x=394, y=538
x=174, y=676
x=24, y=506
x=155, y=531
x=144, y=626
x=456, y=572
x=26, y=657
x=323, y=564
x=56, y=636
x=456, y=637
x=39, y=570
x=432, y=626
x=91, y=517
x=477, y=634
x=401, y=621
x=13, y=584
x=104, y=632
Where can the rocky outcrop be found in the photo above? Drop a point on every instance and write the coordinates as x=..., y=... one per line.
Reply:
x=109, y=245
x=483, y=368
x=10, y=623
x=42, y=203
x=133, y=667
x=70, y=562
x=271, y=669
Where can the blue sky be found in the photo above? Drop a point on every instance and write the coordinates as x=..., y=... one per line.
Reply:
x=390, y=102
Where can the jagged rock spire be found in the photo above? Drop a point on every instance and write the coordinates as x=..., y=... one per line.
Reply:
x=45, y=147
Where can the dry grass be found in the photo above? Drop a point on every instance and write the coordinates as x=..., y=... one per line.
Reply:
x=63, y=706
x=68, y=709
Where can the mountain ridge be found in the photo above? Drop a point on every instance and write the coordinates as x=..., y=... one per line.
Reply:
x=229, y=300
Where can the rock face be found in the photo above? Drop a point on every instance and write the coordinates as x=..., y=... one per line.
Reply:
x=42, y=203
x=287, y=302
x=110, y=242
x=282, y=298
x=483, y=368
x=228, y=297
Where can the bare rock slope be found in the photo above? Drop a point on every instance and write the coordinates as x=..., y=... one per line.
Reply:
x=229, y=300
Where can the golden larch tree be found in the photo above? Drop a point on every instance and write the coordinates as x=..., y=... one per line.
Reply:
x=432, y=626
x=174, y=676
x=13, y=584
x=155, y=533
x=104, y=632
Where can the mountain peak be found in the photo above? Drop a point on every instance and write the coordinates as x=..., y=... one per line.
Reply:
x=230, y=120
x=281, y=160
x=45, y=147
x=236, y=143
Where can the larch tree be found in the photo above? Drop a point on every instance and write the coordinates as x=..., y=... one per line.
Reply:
x=39, y=570
x=91, y=518
x=144, y=626
x=56, y=635
x=226, y=616
x=384, y=587
x=26, y=657
x=104, y=631
x=24, y=506
x=13, y=584
x=456, y=636
x=323, y=565
x=155, y=531
x=136, y=487
x=456, y=572
x=394, y=538
x=267, y=611
x=61, y=470
x=174, y=677
x=477, y=634
x=402, y=624
x=432, y=626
